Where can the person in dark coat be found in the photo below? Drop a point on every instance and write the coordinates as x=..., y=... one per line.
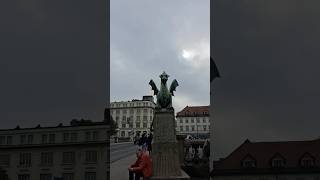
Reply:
x=143, y=139
x=149, y=141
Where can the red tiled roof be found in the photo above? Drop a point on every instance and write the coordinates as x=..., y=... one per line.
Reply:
x=263, y=152
x=194, y=111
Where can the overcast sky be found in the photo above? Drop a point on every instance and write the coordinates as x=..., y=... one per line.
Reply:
x=52, y=62
x=149, y=37
x=268, y=55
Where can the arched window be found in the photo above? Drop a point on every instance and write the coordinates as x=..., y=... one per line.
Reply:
x=307, y=161
x=278, y=161
x=248, y=162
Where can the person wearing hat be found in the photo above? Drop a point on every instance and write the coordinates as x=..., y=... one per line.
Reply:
x=142, y=167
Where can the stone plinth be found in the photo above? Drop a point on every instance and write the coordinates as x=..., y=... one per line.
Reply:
x=165, y=154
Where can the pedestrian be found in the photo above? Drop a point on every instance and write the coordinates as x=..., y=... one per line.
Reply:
x=142, y=140
x=149, y=142
x=142, y=167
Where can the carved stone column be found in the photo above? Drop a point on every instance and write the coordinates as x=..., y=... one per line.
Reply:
x=165, y=154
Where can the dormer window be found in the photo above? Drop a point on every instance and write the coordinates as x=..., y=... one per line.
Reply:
x=307, y=161
x=248, y=162
x=278, y=161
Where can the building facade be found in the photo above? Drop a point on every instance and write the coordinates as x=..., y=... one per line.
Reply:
x=133, y=117
x=194, y=120
x=286, y=160
x=74, y=152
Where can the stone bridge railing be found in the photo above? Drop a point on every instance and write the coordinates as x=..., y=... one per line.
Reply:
x=191, y=151
x=194, y=156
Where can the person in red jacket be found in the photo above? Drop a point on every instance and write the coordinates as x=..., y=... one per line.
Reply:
x=142, y=167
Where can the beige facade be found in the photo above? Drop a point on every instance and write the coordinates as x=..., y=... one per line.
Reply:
x=77, y=152
x=133, y=116
x=193, y=120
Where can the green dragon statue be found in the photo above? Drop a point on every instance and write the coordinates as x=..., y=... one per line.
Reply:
x=164, y=96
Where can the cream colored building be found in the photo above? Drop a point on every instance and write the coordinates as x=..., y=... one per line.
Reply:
x=74, y=152
x=133, y=117
x=194, y=120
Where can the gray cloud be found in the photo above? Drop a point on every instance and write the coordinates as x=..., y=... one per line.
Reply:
x=267, y=53
x=148, y=37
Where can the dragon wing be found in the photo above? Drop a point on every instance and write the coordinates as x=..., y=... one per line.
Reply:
x=173, y=86
x=154, y=87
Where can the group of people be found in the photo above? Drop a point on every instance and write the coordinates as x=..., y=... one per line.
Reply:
x=144, y=141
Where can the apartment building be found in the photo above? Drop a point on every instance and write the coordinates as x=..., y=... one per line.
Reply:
x=73, y=152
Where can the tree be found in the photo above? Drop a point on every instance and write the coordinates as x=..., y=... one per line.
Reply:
x=109, y=120
x=113, y=126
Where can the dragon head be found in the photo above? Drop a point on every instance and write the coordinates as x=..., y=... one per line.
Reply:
x=164, y=77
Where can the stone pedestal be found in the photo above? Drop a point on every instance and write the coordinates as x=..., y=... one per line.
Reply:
x=165, y=154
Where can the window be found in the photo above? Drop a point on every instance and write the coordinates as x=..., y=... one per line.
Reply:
x=138, y=111
x=204, y=127
x=88, y=136
x=68, y=176
x=95, y=135
x=91, y=156
x=204, y=120
x=198, y=120
x=187, y=128
x=181, y=128
x=192, y=120
x=22, y=139
x=307, y=161
x=2, y=139
x=4, y=160
x=117, y=111
x=90, y=176
x=65, y=137
x=144, y=125
x=278, y=162
x=74, y=137
x=45, y=176
x=51, y=138
x=30, y=139
x=181, y=120
x=117, y=118
x=138, y=118
x=123, y=133
x=9, y=140
x=145, y=118
x=130, y=125
x=192, y=128
x=123, y=125
x=124, y=111
x=68, y=157
x=138, y=125
x=187, y=121
x=124, y=119
x=131, y=111
x=144, y=110
x=46, y=158
x=248, y=162
x=25, y=159
x=44, y=139
x=24, y=177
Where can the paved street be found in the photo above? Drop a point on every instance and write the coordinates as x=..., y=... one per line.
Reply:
x=121, y=156
x=119, y=151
